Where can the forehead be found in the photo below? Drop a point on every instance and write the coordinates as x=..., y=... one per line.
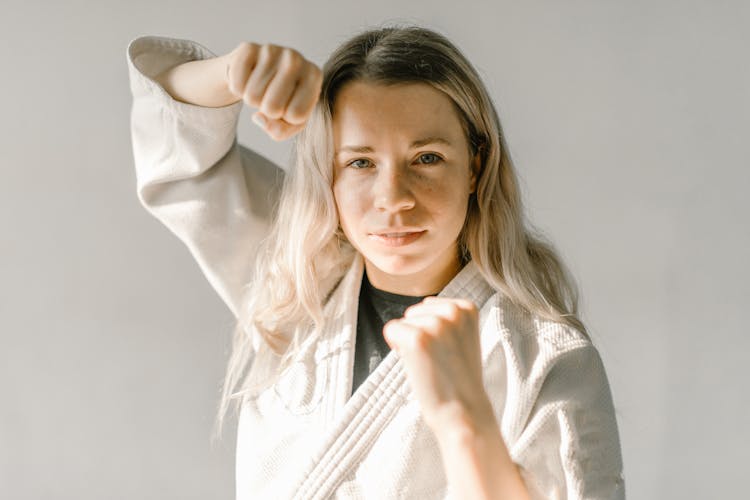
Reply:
x=366, y=113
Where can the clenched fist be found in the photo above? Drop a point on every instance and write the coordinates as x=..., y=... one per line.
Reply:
x=278, y=81
x=438, y=343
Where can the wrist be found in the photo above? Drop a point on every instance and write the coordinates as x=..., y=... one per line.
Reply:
x=458, y=421
x=469, y=431
x=202, y=82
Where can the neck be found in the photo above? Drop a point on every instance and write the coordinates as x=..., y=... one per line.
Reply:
x=419, y=284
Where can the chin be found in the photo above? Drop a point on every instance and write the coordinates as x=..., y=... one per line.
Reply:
x=398, y=265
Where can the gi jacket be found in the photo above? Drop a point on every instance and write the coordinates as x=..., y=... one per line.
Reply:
x=304, y=437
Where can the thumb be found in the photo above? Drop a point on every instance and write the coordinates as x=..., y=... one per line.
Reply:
x=278, y=130
x=391, y=337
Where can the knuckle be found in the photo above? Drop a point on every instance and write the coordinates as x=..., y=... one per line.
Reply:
x=440, y=323
x=245, y=51
x=294, y=115
x=269, y=50
x=252, y=97
x=452, y=312
x=421, y=341
x=470, y=308
x=271, y=109
x=245, y=46
x=291, y=59
x=467, y=304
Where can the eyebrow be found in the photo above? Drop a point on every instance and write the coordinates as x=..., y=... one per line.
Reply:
x=416, y=144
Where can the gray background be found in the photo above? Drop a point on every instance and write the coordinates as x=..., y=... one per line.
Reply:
x=628, y=122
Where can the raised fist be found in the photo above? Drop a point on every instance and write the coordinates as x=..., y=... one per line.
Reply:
x=278, y=81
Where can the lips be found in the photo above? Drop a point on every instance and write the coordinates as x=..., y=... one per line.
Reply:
x=396, y=235
x=398, y=238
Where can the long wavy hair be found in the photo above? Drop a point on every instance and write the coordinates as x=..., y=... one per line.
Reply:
x=306, y=253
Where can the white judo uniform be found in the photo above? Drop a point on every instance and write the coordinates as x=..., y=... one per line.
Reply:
x=304, y=437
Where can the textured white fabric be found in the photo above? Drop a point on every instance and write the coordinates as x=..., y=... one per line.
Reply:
x=304, y=437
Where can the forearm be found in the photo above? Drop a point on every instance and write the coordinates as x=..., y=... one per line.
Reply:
x=202, y=82
x=477, y=464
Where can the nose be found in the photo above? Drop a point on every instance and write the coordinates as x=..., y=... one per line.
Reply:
x=391, y=190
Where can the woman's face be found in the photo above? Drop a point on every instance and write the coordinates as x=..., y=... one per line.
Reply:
x=402, y=178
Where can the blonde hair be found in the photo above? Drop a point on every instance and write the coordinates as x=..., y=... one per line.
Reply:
x=306, y=253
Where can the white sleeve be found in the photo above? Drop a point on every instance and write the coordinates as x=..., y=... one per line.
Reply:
x=214, y=195
x=570, y=447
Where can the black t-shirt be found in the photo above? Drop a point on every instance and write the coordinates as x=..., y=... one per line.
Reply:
x=376, y=308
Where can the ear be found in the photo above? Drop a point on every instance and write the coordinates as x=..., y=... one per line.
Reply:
x=475, y=166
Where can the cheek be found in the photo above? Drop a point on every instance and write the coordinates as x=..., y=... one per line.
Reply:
x=348, y=205
x=446, y=195
x=447, y=203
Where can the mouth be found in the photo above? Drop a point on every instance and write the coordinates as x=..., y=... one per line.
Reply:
x=396, y=239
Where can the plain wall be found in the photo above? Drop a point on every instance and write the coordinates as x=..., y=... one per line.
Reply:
x=628, y=123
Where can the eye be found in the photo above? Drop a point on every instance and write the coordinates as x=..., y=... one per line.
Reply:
x=429, y=158
x=357, y=165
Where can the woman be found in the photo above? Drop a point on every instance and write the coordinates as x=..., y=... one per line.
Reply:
x=399, y=228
